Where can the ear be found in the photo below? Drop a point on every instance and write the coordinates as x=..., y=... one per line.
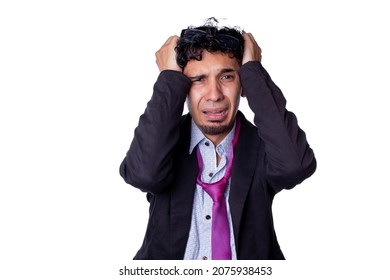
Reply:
x=242, y=93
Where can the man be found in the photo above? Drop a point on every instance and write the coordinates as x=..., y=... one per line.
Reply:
x=182, y=162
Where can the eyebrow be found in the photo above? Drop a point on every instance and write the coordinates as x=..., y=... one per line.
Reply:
x=227, y=70
x=222, y=71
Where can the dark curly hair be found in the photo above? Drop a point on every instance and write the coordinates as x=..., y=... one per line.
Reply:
x=209, y=37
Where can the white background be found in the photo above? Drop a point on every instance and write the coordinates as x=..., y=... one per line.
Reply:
x=76, y=75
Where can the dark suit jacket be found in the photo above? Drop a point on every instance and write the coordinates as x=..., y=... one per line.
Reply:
x=269, y=157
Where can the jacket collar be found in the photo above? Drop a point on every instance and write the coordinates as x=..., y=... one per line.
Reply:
x=244, y=165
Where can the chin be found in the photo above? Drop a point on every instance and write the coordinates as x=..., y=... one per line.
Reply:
x=215, y=128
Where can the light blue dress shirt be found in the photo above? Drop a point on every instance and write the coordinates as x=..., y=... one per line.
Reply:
x=199, y=240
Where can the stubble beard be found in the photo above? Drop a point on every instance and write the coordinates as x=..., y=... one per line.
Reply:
x=215, y=129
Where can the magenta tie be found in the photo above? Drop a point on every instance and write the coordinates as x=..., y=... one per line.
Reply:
x=220, y=233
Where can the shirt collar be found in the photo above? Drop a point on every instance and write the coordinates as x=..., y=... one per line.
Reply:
x=197, y=136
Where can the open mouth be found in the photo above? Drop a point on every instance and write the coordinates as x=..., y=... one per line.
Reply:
x=215, y=114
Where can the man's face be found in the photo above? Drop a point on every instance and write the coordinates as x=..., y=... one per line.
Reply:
x=214, y=94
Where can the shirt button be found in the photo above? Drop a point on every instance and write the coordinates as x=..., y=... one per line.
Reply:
x=211, y=174
x=204, y=258
x=208, y=217
x=207, y=144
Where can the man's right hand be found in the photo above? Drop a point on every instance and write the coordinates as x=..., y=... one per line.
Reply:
x=166, y=55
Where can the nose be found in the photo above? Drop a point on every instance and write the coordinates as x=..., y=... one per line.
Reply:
x=214, y=92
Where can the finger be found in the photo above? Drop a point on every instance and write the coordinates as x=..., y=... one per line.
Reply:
x=172, y=40
x=248, y=36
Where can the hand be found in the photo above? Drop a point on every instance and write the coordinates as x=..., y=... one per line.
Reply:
x=166, y=55
x=252, y=52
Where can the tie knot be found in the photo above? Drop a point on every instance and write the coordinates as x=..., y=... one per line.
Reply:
x=215, y=190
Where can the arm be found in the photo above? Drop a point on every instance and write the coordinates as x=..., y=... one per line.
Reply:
x=148, y=163
x=290, y=159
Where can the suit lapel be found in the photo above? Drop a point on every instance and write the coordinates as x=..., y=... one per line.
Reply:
x=244, y=165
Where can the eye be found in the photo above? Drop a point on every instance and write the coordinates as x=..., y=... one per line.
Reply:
x=198, y=79
x=227, y=77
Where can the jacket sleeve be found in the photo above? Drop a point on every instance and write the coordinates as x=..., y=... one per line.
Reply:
x=149, y=160
x=289, y=158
